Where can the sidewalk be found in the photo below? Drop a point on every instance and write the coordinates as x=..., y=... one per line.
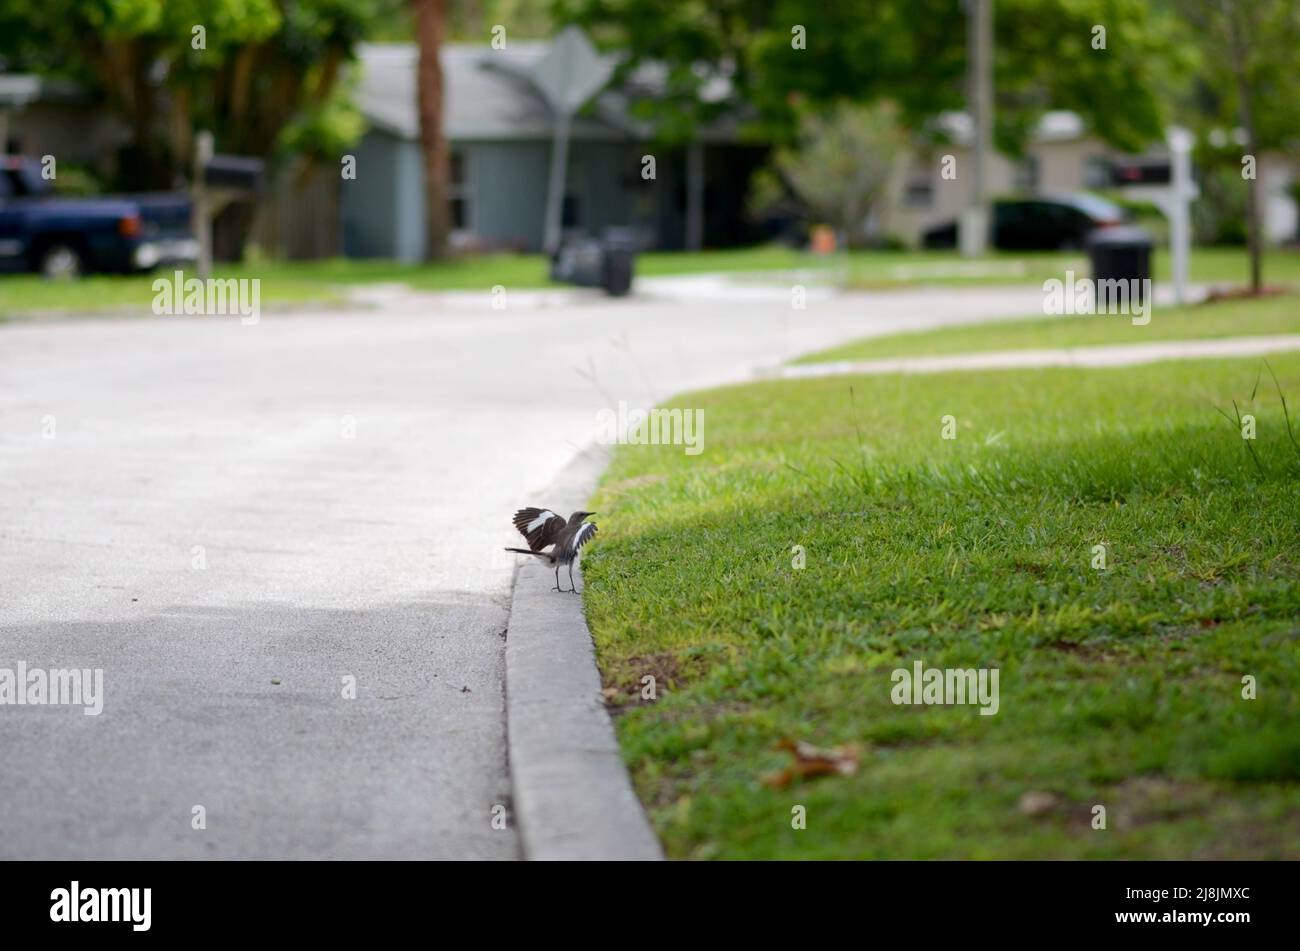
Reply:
x=1109, y=356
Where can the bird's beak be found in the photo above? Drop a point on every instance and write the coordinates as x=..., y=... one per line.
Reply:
x=591, y=513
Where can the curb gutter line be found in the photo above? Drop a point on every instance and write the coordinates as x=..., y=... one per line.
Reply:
x=573, y=798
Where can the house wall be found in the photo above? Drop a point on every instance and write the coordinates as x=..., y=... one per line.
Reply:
x=382, y=208
x=408, y=180
x=1063, y=166
x=1059, y=166
x=369, y=203
x=1277, y=175
x=506, y=183
x=503, y=188
x=605, y=177
x=909, y=216
x=506, y=186
x=76, y=133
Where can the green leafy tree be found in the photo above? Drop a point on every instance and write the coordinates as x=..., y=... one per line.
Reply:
x=844, y=163
x=1247, y=79
x=125, y=50
x=913, y=52
x=246, y=69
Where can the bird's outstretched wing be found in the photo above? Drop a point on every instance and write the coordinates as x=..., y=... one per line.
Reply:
x=579, y=538
x=539, y=526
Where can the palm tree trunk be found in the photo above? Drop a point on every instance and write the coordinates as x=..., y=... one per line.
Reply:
x=430, y=28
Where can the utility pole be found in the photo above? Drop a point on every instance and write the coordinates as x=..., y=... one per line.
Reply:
x=201, y=202
x=555, y=184
x=695, y=196
x=979, y=98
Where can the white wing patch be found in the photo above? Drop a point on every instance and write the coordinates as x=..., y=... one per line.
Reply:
x=582, y=536
x=539, y=521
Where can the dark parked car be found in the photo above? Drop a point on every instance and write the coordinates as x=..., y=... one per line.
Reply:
x=71, y=236
x=1046, y=222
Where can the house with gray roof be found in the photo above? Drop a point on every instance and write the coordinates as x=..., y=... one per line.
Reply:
x=500, y=129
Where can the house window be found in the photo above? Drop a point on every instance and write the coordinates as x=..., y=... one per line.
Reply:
x=919, y=190
x=1026, y=174
x=1096, y=172
x=569, y=212
x=458, y=192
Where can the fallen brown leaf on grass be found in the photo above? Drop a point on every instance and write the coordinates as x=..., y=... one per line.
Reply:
x=1037, y=803
x=811, y=761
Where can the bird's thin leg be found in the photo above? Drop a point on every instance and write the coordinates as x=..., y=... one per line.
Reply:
x=573, y=589
x=557, y=578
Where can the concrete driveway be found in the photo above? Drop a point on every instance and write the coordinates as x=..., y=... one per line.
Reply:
x=233, y=520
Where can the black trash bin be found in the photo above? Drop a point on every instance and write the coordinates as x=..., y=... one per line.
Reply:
x=1121, y=254
x=606, y=262
x=620, y=256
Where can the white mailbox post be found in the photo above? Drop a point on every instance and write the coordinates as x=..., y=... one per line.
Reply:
x=218, y=180
x=1174, y=198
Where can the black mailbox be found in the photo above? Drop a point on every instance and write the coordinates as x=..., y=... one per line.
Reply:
x=1141, y=171
x=234, y=173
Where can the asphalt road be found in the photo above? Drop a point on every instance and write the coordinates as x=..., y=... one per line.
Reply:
x=230, y=520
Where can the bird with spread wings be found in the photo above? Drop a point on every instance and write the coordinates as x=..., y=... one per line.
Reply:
x=542, y=528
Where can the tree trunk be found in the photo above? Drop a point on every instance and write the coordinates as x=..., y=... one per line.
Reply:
x=430, y=27
x=1255, y=234
x=1245, y=106
x=123, y=67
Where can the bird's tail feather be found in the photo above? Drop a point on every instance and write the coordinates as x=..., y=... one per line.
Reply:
x=539, y=554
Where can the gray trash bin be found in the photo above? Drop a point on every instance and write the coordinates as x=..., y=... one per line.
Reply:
x=1121, y=254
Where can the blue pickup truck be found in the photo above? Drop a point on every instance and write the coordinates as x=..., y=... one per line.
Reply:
x=67, y=237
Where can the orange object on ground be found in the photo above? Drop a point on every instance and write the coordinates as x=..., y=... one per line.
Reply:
x=823, y=240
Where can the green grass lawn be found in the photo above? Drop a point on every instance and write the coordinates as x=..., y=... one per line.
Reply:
x=868, y=269
x=1232, y=318
x=313, y=281
x=1120, y=687
x=884, y=269
x=282, y=282
x=479, y=272
x=28, y=293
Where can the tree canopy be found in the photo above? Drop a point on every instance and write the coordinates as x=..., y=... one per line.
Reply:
x=913, y=52
x=247, y=69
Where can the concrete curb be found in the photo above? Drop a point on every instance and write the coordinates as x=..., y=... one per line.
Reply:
x=1100, y=356
x=573, y=798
